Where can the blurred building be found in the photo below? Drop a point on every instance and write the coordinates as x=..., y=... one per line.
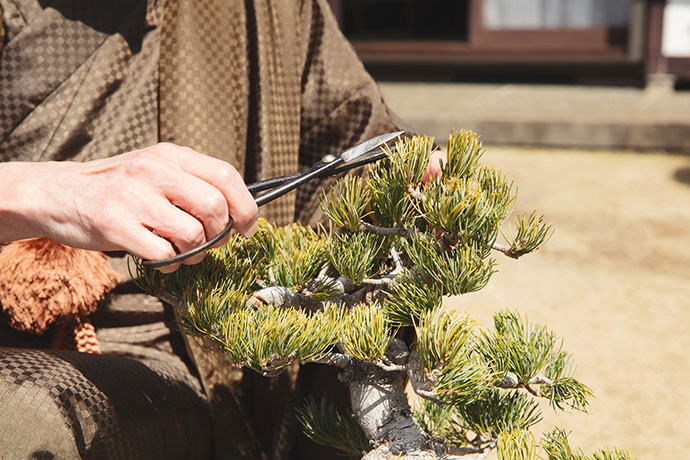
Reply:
x=635, y=42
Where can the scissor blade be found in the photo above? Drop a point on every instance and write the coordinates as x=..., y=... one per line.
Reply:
x=362, y=148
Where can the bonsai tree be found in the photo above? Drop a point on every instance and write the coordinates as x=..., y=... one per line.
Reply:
x=365, y=295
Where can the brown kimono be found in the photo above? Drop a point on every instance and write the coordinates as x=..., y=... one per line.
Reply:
x=271, y=87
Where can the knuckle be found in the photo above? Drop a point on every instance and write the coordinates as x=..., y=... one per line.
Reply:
x=226, y=172
x=142, y=163
x=216, y=205
x=192, y=234
x=163, y=146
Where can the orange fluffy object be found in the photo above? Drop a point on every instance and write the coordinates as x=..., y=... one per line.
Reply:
x=44, y=282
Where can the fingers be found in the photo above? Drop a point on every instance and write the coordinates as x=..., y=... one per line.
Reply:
x=183, y=230
x=221, y=175
x=141, y=242
x=155, y=202
x=199, y=199
x=437, y=159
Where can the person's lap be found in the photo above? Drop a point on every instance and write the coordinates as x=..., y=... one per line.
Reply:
x=65, y=404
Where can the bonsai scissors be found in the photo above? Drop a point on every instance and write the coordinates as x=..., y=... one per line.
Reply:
x=353, y=157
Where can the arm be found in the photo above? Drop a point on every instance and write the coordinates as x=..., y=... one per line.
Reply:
x=146, y=202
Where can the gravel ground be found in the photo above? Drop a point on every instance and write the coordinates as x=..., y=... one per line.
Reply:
x=613, y=282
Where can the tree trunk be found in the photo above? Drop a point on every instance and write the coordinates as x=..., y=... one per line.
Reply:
x=380, y=405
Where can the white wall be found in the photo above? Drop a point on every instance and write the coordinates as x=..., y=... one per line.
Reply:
x=675, y=40
x=549, y=14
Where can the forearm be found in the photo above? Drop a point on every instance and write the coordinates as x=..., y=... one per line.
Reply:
x=23, y=201
x=149, y=202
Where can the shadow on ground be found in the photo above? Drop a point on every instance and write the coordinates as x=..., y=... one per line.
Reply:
x=682, y=175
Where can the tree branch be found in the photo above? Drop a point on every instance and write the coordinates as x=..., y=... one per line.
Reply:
x=395, y=256
x=540, y=380
x=420, y=382
x=390, y=367
x=510, y=381
x=505, y=249
x=272, y=277
x=168, y=298
x=384, y=281
x=389, y=231
x=416, y=194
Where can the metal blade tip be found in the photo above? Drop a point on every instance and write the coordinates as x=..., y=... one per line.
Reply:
x=364, y=147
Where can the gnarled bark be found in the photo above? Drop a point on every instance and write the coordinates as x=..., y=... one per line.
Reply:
x=381, y=407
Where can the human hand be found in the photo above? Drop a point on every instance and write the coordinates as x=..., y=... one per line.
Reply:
x=435, y=161
x=148, y=202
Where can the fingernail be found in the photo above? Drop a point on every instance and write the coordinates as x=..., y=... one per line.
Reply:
x=251, y=230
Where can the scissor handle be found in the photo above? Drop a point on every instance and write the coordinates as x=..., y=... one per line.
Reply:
x=191, y=252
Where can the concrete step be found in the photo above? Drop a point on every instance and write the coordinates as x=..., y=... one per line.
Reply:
x=548, y=115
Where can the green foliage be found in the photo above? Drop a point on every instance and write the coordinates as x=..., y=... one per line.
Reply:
x=530, y=351
x=390, y=203
x=411, y=296
x=410, y=159
x=498, y=412
x=324, y=289
x=557, y=447
x=347, y=202
x=413, y=242
x=611, y=454
x=498, y=191
x=441, y=421
x=300, y=253
x=206, y=311
x=391, y=180
x=323, y=424
x=517, y=445
x=267, y=339
x=495, y=414
x=524, y=349
x=145, y=279
x=456, y=272
x=442, y=339
x=532, y=233
x=463, y=154
x=358, y=255
x=366, y=332
x=459, y=204
x=445, y=352
x=567, y=391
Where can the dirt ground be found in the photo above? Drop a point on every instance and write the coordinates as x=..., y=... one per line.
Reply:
x=613, y=282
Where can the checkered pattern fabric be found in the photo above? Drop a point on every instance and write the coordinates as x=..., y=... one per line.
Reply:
x=79, y=79
x=62, y=404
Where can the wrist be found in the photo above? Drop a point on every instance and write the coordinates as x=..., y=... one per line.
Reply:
x=23, y=200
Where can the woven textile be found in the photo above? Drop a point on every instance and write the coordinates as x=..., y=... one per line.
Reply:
x=78, y=80
x=66, y=405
